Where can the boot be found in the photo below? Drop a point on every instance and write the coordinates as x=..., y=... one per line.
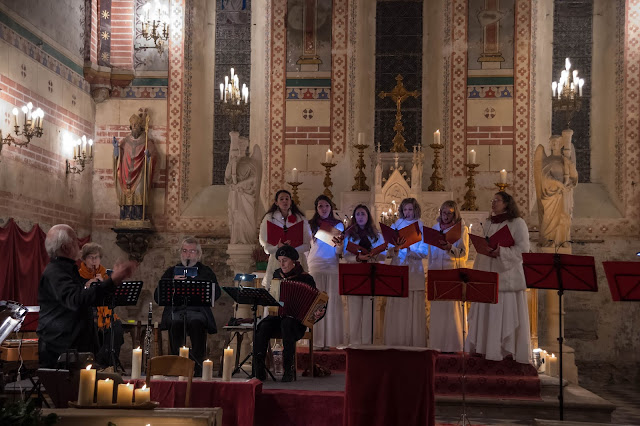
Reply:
x=261, y=372
x=289, y=374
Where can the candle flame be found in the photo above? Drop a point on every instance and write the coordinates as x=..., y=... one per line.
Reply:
x=229, y=347
x=553, y=355
x=138, y=348
x=144, y=387
x=88, y=367
x=107, y=379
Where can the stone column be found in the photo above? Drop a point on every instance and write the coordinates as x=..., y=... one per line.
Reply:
x=241, y=262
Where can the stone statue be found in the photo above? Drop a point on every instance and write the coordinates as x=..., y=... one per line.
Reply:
x=555, y=178
x=243, y=178
x=134, y=160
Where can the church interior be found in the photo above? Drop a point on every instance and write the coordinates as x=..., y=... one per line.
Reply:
x=140, y=124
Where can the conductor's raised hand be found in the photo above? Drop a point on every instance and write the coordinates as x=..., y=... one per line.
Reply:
x=123, y=271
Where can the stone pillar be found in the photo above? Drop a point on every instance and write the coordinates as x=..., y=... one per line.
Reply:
x=241, y=262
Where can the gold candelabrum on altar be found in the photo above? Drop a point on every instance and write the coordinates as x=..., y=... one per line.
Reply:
x=502, y=186
x=82, y=155
x=327, y=179
x=234, y=98
x=398, y=95
x=294, y=192
x=566, y=93
x=470, y=195
x=436, y=176
x=360, y=178
x=155, y=24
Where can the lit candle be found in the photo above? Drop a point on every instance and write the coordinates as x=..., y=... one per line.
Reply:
x=294, y=174
x=84, y=145
x=90, y=148
x=231, y=72
x=580, y=84
x=221, y=91
x=125, y=394
x=472, y=157
x=15, y=116
x=105, y=392
x=87, y=386
x=136, y=363
x=575, y=75
x=503, y=176
x=328, y=156
x=207, y=369
x=552, y=365
x=184, y=352
x=143, y=394
x=436, y=137
x=361, y=138
x=567, y=64
x=228, y=365
x=554, y=86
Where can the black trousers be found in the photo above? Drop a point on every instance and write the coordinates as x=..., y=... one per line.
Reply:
x=289, y=329
x=47, y=357
x=196, y=330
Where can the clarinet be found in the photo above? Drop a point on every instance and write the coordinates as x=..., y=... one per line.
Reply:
x=148, y=337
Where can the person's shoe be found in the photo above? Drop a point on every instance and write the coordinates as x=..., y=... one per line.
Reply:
x=288, y=374
x=261, y=372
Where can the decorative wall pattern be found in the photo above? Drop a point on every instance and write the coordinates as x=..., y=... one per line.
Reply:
x=275, y=175
x=139, y=92
x=339, y=33
x=631, y=150
x=104, y=34
x=458, y=78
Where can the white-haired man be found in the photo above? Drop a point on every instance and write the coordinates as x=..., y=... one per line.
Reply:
x=200, y=319
x=66, y=320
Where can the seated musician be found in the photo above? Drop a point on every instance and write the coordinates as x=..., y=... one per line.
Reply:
x=66, y=320
x=290, y=329
x=91, y=272
x=200, y=319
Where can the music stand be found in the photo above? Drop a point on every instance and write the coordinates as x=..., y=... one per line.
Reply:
x=373, y=279
x=463, y=285
x=254, y=297
x=126, y=294
x=560, y=272
x=624, y=280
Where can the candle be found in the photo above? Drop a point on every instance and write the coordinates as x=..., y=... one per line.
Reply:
x=328, y=156
x=142, y=395
x=228, y=364
x=567, y=64
x=125, y=394
x=136, y=363
x=184, y=352
x=580, y=84
x=552, y=365
x=503, y=176
x=575, y=75
x=87, y=386
x=207, y=369
x=221, y=91
x=361, y=138
x=105, y=392
x=90, y=148
x=15, y=116
x=294, y=174
x=472, y=157
x=436, y=137
x=554, y=86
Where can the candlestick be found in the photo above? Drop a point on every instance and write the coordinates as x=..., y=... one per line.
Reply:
x=87, y=386
x=207, y=369
x=105, y=392
x=436, y=176
x=503, y=176
x=143, y=394
x=502, y=186
x=294, y=175
x=470, y=196
x=125, y=394
x=294, y=192
x=360, y=178
x=136, y=363
x=327, y=179
x=228, y=364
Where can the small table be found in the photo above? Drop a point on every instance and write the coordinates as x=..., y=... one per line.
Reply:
x=235, y=332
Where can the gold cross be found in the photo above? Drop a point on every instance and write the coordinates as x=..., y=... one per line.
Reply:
x=398, y=95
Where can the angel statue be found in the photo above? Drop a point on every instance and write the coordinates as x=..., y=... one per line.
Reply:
x=134, y=159
x=243, y=178
x=555, y=178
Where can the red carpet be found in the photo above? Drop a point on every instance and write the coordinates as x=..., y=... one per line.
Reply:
x=501, y=379
x=280, y=407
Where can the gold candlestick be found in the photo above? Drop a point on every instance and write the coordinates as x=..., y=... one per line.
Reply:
x=502, y=186
x=327, y=179
x=470, y=196
x=361, y=178
x=294, y=192
x=436, y=176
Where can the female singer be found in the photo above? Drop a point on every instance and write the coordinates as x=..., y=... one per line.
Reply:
x=323, y=266
x=283, y=213
x=361, y=231
x=405, y=318
x=445, y=329
x=502, y=329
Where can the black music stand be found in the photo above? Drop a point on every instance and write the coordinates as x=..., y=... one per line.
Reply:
x=373, y=279
x=560, y=272
x=624, y=280
x=463, y=285
x=254, y=297
x=126, y=294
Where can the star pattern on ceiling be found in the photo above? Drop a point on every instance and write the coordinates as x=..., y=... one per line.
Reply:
x=105, y=14
x=105, y=35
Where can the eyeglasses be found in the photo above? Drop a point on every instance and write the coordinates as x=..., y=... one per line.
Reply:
x=93, y=257
x=191, y=251
x=497, y=200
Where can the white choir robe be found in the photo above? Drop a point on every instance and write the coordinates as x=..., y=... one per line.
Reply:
x=323, y=262
x=405, y=317
x=502, y=329
x=359, y=307
x=446, y=319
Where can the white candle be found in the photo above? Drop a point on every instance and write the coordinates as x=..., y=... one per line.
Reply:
x=567, y=64
x=294, y=174
x=472, y=157
x=221, y=91
x=554, y=86
x=328, y=156
x=228, y=365
x=105, y=392
x=125, y=394
x=136, y=363
x=552, y=366
x=87, y=386
x=580, y=84
x=436, y=137
x=361, y=138
x=207, y=370
x=503, y=176
x=184, y=352
x=143, y=395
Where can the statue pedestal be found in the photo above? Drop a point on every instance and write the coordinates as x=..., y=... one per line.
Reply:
x=133, y=237
x=241, y=262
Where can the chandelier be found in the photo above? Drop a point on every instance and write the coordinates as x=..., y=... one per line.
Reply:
x=155, y=24
x=567, y=91
x=234, y=98
x=82, y=154
x=31, y=128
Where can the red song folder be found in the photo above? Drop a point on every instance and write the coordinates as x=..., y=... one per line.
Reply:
x=484, y=245
x=434, y=237
x=327, y=232
x=410, y=233
x=356, y=249
x=277, y=234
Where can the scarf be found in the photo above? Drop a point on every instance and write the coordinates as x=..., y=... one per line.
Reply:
x=297, y=270
x=104, y=313
x=499, y=218
x=365, y=242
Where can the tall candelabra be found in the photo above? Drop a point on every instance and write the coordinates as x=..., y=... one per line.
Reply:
x=360, y=178
x=436, y=176
x=567, y=92
x=327, y=179
x=294, y=192
x=470, y=196
x=234, y=98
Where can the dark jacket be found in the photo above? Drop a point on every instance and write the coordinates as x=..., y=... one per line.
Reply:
x=204, y=274
x=296, y=274
x=66, y=319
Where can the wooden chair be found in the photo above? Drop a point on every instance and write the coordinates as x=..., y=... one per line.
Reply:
x=173, y=365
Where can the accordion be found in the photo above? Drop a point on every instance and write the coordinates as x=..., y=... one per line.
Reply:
x=299, y=300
